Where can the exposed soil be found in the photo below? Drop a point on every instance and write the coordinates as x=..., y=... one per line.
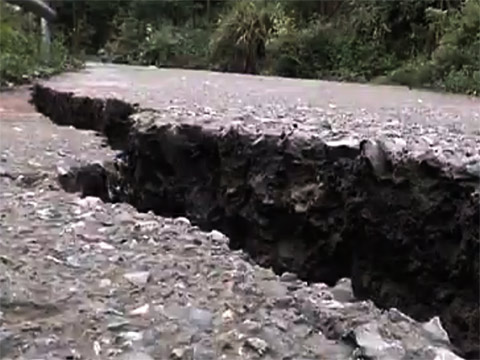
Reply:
x=403, y=223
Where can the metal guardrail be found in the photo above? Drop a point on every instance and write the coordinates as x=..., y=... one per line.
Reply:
x=36, y=7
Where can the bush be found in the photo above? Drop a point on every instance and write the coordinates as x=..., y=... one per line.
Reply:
x=325, y=51
x=302, y=53
x=17, y=59
x=359, y=60
x=178, y=47
x=140, y=43
x=419, y=73
x=124, y=45
x=463, y=81
x=239, y=42
x=455, y=61
x=457, y=57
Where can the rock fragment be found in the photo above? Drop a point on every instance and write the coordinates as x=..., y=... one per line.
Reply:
x=138, y=278
x=200, y=317
x=435, y=329
x=342, y=291
x=131, y=336
x=178, y=354
x=373, y=346
x=218, y=237
x=257, y=344
x=141, y=310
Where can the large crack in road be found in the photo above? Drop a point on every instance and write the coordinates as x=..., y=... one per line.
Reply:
x=404, y=229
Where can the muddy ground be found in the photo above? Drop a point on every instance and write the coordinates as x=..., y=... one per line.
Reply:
x=86, y=279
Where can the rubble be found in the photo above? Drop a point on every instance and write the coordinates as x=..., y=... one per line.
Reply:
x=138, y=278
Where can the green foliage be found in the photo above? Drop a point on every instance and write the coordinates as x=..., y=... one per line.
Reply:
x=139, y=42
x=303, y=53
x=454, y=64
x=429, y=43
x=418, y=44
x=457, y=57
x=87, y=24
x=238, y=44
x=124, y=45
x=417, y=73
x=177, y=12
x=322, y=50
x=17, y=48
x=174, y=46
x=21, y=57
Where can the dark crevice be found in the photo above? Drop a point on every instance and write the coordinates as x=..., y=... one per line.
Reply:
x=404, y=230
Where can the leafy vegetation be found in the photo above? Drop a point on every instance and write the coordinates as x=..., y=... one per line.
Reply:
x=239, y=41
x=454, y=63
x=419, y=44
x=137, y=42
x=428, y=43
x=21, y=55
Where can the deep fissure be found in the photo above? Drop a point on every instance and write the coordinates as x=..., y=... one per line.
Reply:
x=405, y=232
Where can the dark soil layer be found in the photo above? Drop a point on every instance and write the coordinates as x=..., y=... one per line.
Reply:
x=403, y=229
